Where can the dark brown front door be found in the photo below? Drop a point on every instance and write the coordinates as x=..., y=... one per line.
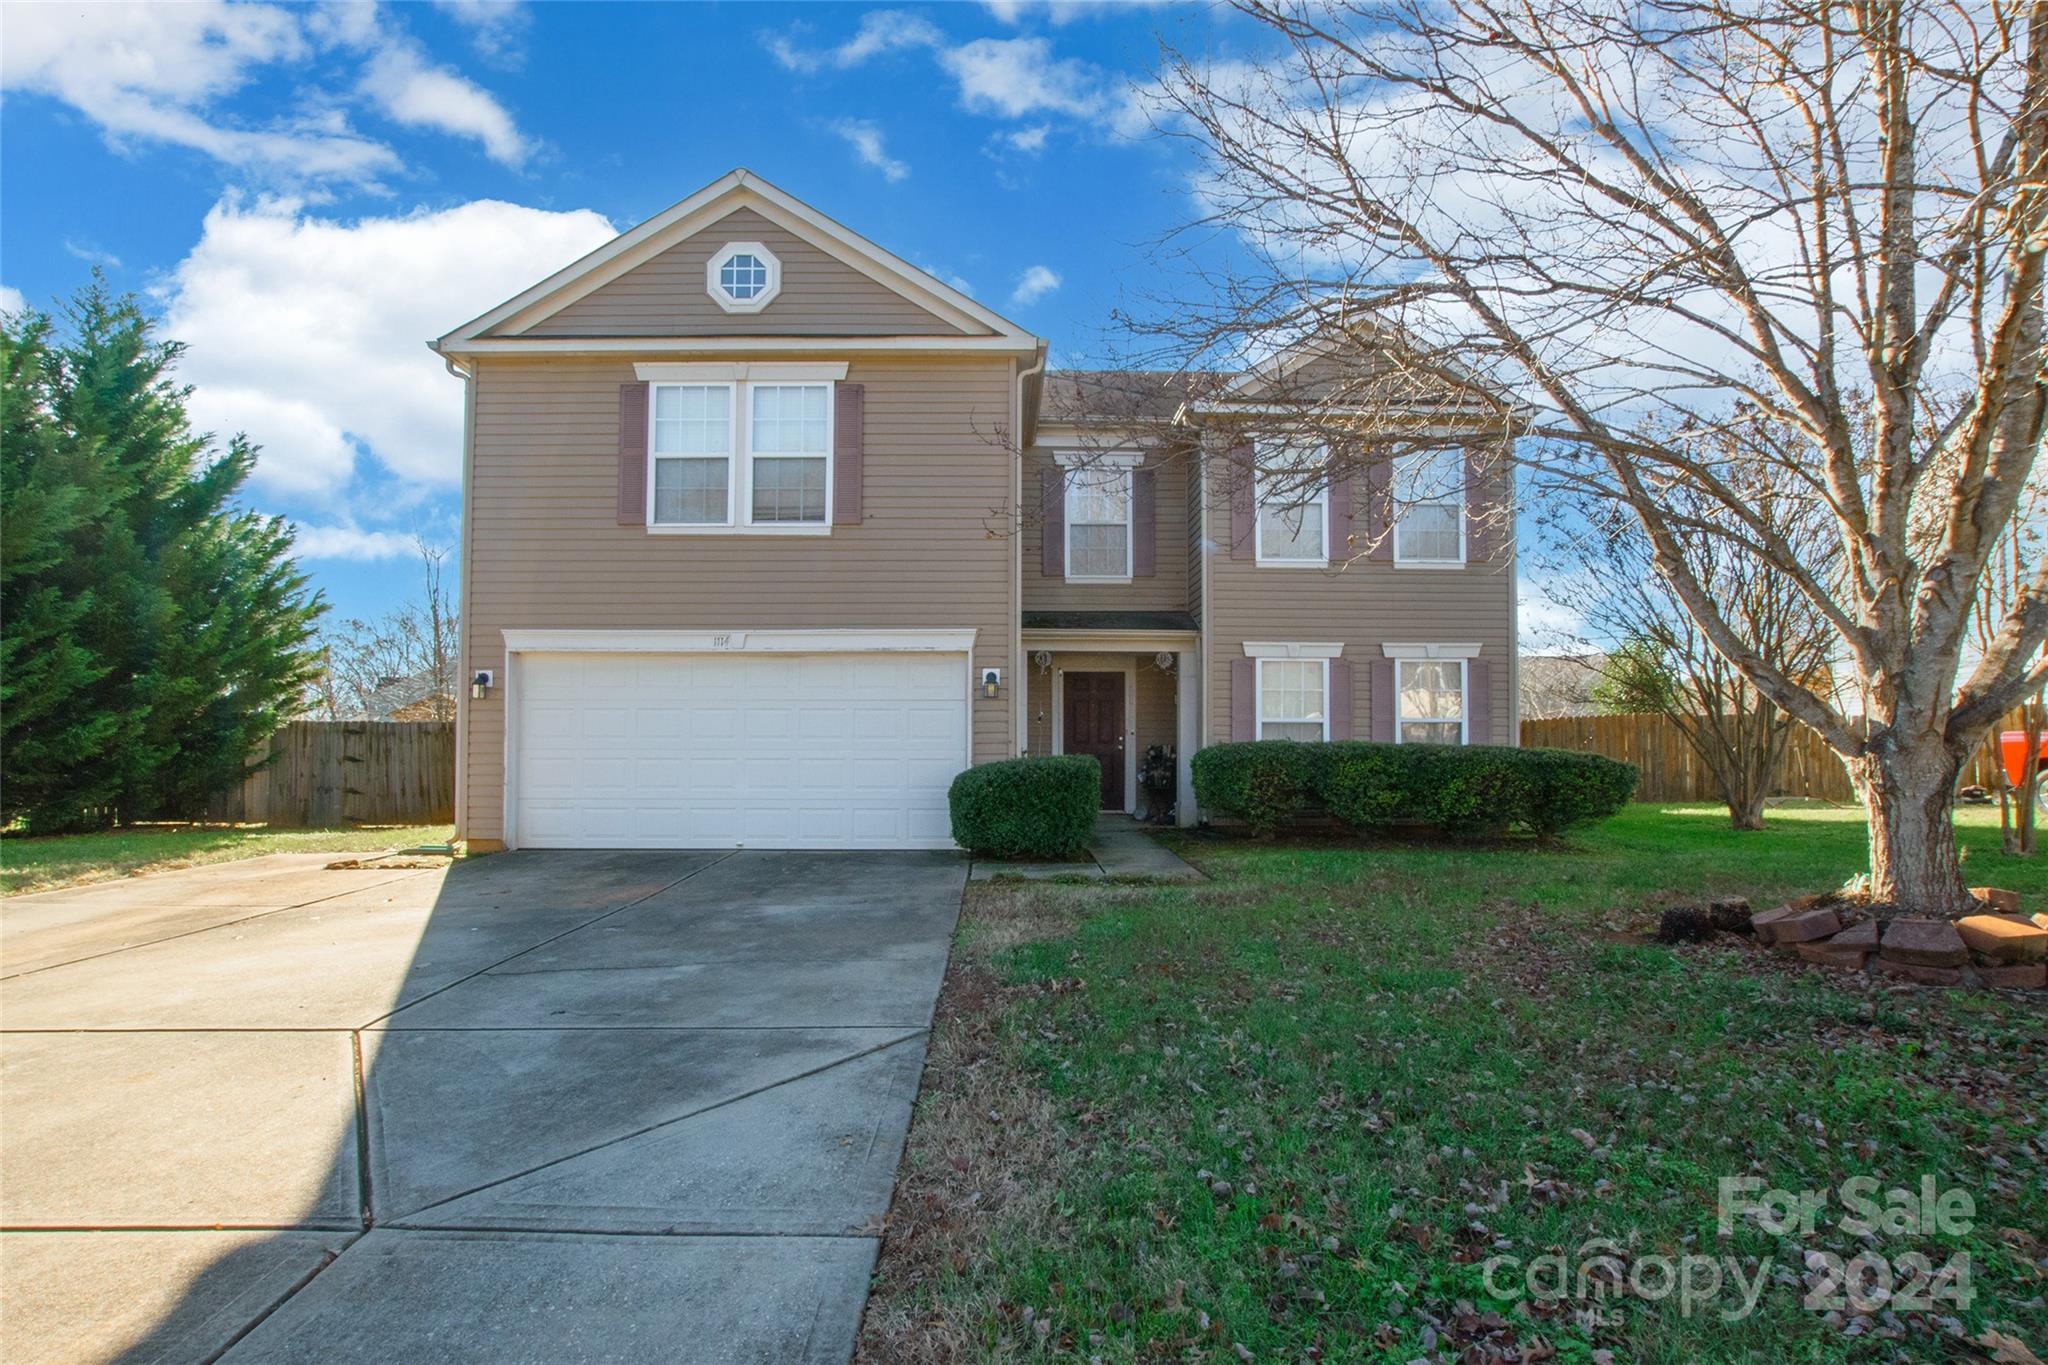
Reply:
x=1095, y=725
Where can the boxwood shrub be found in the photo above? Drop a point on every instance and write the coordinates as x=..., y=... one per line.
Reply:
x=1462, y=790
x=1027, y=807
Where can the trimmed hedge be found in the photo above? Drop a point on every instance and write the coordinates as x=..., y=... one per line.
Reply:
x=1027, y=807
x=1460, y=789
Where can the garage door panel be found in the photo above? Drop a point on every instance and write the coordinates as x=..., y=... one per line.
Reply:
x=791, y=751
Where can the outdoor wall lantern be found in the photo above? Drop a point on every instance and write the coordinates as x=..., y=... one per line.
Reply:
x=480, y=685
x=991, y=680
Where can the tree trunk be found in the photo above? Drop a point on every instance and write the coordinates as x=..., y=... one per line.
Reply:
x=1910, y=794
x=1746, y=809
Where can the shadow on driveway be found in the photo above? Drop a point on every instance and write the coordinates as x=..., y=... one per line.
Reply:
x=563, y=1106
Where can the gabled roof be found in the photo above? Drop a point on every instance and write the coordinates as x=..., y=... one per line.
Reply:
x=497, y=330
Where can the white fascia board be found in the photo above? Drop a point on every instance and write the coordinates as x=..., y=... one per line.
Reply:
x=1274, y=649
x=759, y=371
x=1108, y=641
x=734, y=345
x=738, y=641
x=1430, y=651
x=736, y=189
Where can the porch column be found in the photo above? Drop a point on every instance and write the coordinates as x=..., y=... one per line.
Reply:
x=1187, y=715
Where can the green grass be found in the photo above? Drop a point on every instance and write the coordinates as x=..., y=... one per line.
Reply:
x=43, y=864
x=1402, y=1060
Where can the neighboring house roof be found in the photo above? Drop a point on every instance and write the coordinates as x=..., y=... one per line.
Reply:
x=500, y=328
x=1110, y=397
x=409, y=698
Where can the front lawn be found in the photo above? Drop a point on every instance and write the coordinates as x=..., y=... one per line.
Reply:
x=1295, y=1113
x=44, y=864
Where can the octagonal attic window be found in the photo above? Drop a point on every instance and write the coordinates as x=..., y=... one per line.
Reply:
x=743, y=277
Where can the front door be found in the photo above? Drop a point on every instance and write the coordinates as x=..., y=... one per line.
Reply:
x=1094, y=724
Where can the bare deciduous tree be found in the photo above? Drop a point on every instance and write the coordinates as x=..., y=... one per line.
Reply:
x=1603, y=567
x=416, y=642
x=1633, y=217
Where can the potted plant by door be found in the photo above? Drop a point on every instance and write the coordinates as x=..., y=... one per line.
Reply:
x=1156, y=779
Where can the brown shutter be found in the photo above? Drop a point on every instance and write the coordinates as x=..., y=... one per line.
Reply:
x=849, y=440
x=1144, y=523
x=1382, y=700
x=632, y=454
x=1340, y=548
x=1340, y=702
x=1480, y=532
x=1052, y=508
x=1244, y=698
x=1379, y=507
x=1478, y=702
x=1244, y=512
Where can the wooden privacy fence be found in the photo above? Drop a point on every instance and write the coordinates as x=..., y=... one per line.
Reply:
x=349, y=772
x=1672, y=772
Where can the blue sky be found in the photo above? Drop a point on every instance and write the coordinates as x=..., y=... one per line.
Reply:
x=308, y=194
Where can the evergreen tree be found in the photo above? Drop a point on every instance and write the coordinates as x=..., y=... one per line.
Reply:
x=176, y=624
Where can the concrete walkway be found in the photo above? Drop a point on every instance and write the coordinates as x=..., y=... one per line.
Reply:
x=1121, y=848
x=541, y=1106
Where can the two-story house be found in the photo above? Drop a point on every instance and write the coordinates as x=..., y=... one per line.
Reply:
x=767, y=534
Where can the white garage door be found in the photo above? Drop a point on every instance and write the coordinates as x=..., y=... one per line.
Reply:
x=730, y=750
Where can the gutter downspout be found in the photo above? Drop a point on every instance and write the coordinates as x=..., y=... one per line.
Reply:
x=462, y=672
x=1020, y=677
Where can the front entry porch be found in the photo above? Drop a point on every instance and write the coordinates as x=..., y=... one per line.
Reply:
x=1117, y=695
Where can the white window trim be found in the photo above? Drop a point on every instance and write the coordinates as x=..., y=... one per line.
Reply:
x=726, y=301
x=1402, y=561
x=760, y=371
x=739, y=482
x=1267, y=649
x=1464, y=693
x=1259, y=556
x=1259, y=691
x=1404, y=651
x=1080, y=459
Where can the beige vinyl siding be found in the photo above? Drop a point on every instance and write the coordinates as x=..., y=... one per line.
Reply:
x=546, y=550
x=1363, y=605
x=1165, y=589
x=1156, y=691
x=665, y=296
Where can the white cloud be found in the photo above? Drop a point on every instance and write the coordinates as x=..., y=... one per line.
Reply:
x=1030, y=141
x=939, y=272
x=11, y=299
x=350, y=542
x=310, y=334
x=1059, y=12
x=497, y=28
x=865, y=137
x=880, y=31
x=411, y=91
x=1033, y=285
x=92, y=255
x=149, y=72
x=1018, y=76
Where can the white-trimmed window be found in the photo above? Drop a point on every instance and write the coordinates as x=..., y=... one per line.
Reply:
x=692, y=448
x=1098, y=519
x=1430, y=701
x=1429, y=507
x=740, y=455
x=743, y=277
x=789, y=449
x=1294, y=513
x=1293, y=700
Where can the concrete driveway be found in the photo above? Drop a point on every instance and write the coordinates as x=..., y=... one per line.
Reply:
x=540, y=1106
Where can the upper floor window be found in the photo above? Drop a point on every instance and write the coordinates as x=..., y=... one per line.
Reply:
x=1429, y=508
x=1098, y=520
x=743, y=277
x=1292, y=699
x=1294, y=506
x=1430, y=695
x=730, y=455
x=789, y=451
